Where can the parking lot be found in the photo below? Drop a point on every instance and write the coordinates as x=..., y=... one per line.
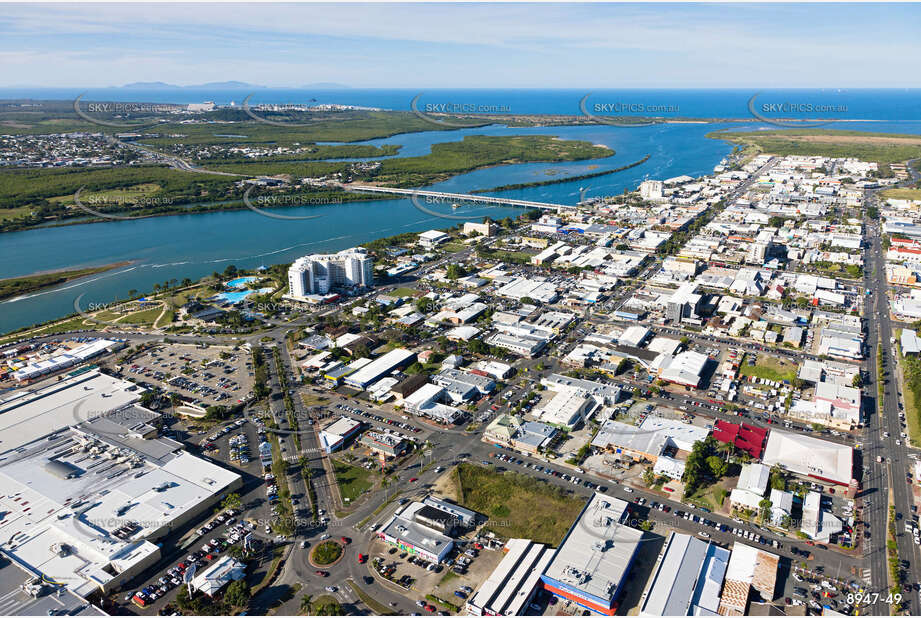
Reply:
x=209, y=542
x=370, y=415
x=205, y=376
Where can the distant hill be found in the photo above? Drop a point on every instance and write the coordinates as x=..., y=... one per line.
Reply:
x=165, y=86
x=327, y=86
x=150, y=85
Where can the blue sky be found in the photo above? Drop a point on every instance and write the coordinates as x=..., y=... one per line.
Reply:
x=463, y=46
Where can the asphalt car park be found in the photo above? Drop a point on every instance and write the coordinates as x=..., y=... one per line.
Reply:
x=207, y=376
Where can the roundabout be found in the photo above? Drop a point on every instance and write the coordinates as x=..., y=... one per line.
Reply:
x=326, y=554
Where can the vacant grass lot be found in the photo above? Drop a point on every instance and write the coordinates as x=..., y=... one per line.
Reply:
x=911, y=372
x=903, y=194
x=124, y=195
x=866, y=146
x=353, y=480
x=769, y=368
x=517, y=505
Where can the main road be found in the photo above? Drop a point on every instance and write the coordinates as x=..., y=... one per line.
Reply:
x=883, y=430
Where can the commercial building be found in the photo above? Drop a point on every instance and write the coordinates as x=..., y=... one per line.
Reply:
x=683, y=303
x=22, y=593
x=379, y=367
x=634, y=336
x=749, y=569
x=86, y=491
x=911, y=344
x=457, y=381
x=319, y=273
x=751, y=487
x=527, y=436
x=65, y=360
x=663, y=442
x=818, y=524
x=812, y=457
x=427, y=401
x=224, y=570
x=570, y=407
x=590, y=566
x=535, y=288
x=687, y=579
x=432, y=238
x=27, y=415
x=386, y=444
x=338, y=433
x=510, y=587
x=485, y=229
x=749, y=438
x=414, y=537
x=528, y=347
x=603, y=394
x=685, y=368
x=463, y=518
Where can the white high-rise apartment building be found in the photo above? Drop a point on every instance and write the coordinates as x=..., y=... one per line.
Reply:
x=319, y=273
x=651, y=189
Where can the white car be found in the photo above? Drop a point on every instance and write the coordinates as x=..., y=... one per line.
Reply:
x=331, y=589
x=703, y=534
x=628, y=490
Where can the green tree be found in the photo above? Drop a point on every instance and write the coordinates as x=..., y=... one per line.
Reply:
x=238, y=593
x=455, y=271
x=424, y=305
x=305, y=604
x=777, y=479
x=717, y=465
x=764, y=507
x=231, y=501
x=649, y=476
x=327, y=606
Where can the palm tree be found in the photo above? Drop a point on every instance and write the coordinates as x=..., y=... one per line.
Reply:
x=726, y=448
x=305, y=604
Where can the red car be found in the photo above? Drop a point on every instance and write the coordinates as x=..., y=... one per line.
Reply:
x=810, y=543
x=478, y=546
x=345, y=540
x=362, y=558
x=430, y=608
x=413, y=480
x=322, y=573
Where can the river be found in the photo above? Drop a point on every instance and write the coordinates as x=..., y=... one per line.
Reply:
x=176, y=247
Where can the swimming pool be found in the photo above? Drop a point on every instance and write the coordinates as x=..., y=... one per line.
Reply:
x=237, y=297
x=241, y=282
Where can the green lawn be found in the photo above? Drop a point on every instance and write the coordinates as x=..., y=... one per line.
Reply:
x=404, y=292
x=517, y=505
x=769, y=368
x=326, y=552
x=353, y=480
x=146, y=316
